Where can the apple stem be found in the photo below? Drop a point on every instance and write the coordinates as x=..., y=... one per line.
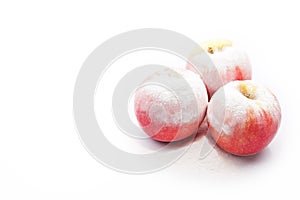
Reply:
x=210, y=50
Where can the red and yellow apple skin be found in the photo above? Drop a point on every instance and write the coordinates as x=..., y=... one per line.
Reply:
x=220, y=63
x=173, y=112
x=243, y=117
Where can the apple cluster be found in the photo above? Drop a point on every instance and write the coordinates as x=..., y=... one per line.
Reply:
x=242, y=116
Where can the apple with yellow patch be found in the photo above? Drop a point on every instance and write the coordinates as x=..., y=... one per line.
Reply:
x=243, y=117
x=220, y=63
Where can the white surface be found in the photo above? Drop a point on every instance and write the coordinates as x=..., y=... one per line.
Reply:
x=223, y=67
x=231, y=106
x=42, y=47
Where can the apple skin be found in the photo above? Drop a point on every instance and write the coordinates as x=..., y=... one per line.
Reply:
x=220, y=63
x=173, y=112
x=243, y=117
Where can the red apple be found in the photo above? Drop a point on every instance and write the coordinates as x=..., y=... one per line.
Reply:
x=220, y=63
x=243, y=117
x=173, y=108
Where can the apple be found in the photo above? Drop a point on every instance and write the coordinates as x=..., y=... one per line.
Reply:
x=170, y=104
x=220, y=63
x=243, y=117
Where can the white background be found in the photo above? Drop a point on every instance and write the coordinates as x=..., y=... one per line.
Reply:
x=42, y=47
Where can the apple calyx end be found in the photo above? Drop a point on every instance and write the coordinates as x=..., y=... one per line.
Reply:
x=247, y=90
x=217, y=44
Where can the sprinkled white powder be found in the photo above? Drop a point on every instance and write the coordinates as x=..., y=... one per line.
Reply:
x=220, y=69
x=172, y=96
x=229, y=107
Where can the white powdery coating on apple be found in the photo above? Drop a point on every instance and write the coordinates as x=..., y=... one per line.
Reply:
x=221, y=67
x=173, y=97
x=228, y=107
